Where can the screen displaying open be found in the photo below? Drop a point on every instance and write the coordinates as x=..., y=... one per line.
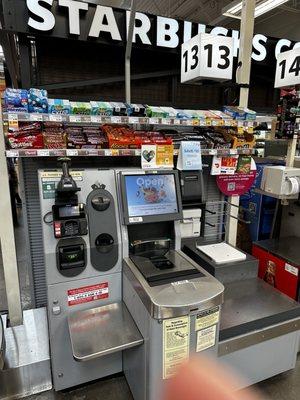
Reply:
x=151, y=195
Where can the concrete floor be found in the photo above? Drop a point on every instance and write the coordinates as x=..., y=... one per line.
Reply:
x=285, y=386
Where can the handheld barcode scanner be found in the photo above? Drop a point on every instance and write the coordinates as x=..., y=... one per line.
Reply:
x=69, y=216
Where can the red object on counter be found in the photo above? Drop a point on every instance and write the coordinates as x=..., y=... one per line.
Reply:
x=277, y=268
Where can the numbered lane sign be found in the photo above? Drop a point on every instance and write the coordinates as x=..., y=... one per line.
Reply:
x=288, y=69
x=207, y=56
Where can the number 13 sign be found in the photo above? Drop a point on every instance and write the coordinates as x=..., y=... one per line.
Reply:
x=288, y=69
x=207, y=56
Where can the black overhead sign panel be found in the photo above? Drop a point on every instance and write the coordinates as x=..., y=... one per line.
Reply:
x=82, y=20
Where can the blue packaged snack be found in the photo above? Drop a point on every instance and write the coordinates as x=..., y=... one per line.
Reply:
x=37, y=101
x=235, y=112
x=59, y=106
x=16, y=100
x=183, y=114
x=136, y=110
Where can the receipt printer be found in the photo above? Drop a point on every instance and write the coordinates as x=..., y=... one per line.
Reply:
x=281, y=180
x=190, y=224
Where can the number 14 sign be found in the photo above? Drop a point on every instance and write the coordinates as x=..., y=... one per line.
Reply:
x=288, y=68
x=207, y=56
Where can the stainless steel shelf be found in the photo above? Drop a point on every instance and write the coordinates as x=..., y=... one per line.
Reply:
x=95, y=119
x=101, y=331
x=14, y=153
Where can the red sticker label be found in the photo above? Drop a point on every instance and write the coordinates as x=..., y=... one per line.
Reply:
x=88, y=293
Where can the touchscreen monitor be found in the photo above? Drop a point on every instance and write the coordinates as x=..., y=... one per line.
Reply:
x=151, y=195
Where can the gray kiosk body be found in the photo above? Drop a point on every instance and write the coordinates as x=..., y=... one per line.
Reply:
x=174, y=302
x=96, y=282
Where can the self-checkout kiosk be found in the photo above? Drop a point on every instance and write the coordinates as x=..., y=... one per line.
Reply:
x=121, y=294
x=173, y=301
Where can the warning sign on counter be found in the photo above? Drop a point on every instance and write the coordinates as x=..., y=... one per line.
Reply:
x=88, y=293
x=176, y=339
x=206, y=338
x=207, y=318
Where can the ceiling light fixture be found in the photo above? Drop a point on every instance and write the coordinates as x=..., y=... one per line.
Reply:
x=234, y=9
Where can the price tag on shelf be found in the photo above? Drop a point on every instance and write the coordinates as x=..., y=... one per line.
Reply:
x=288, y=69
x=75, y=118
x=153, y=121
x=36, y=117
x=133, y=120
x=176, y=121
x=13, y=121
x=107, y=153
x=233, y=151
x=57, y=153
x=96, y=119
x=116, y=120
x=207, y=56
x=208, y=122
x=12, y=153
x=55, y=118
x=92, y=152
x=30, y=153
x=196, y=122
x=43, y=153
x=115, y=152
x=214, y=122
x=212, y=152
x=166, y=121
x=72, y=152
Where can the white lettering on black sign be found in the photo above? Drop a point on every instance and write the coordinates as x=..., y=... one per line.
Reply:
x=168, y=33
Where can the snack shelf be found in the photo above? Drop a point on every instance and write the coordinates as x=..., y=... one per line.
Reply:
x=95, y=119
x=111, y=152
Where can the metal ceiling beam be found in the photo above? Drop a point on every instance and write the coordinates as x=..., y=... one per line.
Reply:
x=109, y=80
x=128, y=52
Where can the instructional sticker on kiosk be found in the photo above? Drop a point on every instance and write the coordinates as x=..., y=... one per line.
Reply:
x=48, y=190
x=176, y=339
x=207, y=318
x=50, y=179
x=88, y=293
x=206, y=338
